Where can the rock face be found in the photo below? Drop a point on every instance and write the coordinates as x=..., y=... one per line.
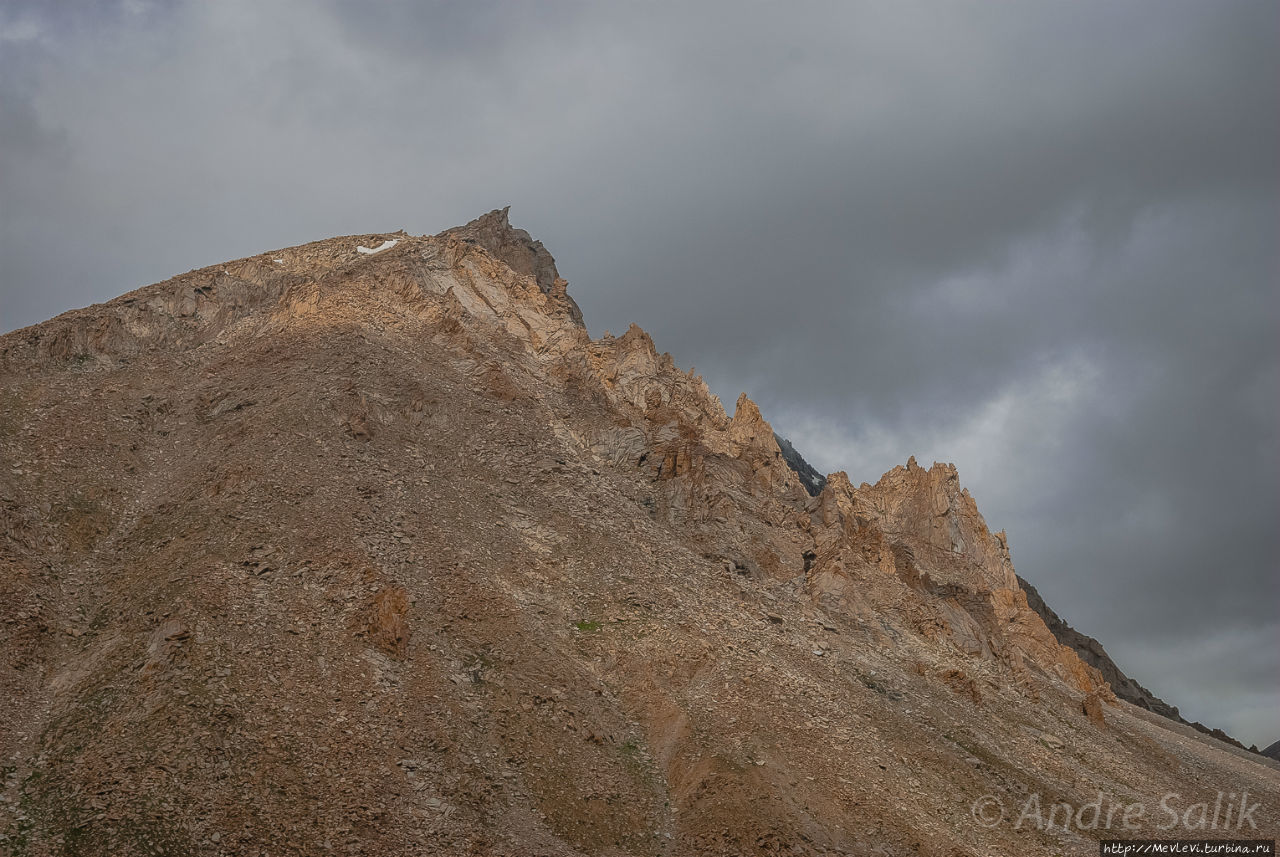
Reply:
x=1092, y=707
x=519, y=251
x=329, y=551
x=812, y=480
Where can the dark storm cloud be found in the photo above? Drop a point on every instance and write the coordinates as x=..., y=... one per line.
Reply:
x=1038, y=240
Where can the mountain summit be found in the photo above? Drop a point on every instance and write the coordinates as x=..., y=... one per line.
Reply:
x=366, y=547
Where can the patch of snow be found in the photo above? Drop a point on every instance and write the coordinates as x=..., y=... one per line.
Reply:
x=385, y=245
x=278, y=261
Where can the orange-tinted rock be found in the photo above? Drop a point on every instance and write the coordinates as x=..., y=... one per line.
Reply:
x=1092, y=708
x=389, y=623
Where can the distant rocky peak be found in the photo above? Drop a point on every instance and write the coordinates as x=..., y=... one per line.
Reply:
x=522, y=253
x=810, y=478
x=932, y=504
x=750, y=431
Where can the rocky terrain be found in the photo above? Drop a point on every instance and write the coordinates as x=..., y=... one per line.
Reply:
x=366, y=547
x=1092, y=653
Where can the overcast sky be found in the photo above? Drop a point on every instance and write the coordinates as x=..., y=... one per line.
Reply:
x=1038, y=240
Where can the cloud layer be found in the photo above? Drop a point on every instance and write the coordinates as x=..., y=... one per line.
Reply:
x=1038, y=240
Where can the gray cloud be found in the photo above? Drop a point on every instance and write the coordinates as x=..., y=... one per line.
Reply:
x=1035, y=240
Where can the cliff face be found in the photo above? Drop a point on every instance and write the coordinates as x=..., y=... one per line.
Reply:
x=376, y=551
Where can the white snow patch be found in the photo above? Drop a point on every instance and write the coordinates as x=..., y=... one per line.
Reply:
x=385, y=245
x=278, y=261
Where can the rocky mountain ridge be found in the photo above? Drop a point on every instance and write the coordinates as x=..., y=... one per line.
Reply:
x=1092, y=653
x=366, y=546
x=812, y=480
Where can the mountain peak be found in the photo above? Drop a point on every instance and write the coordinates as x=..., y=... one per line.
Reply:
x=518, y=249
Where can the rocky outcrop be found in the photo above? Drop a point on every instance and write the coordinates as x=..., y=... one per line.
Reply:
x=1092, y=653
x=519, y=251
x=1092, y=708
x=920, y=530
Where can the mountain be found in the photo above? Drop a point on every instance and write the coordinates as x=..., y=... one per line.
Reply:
x=367, y=547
